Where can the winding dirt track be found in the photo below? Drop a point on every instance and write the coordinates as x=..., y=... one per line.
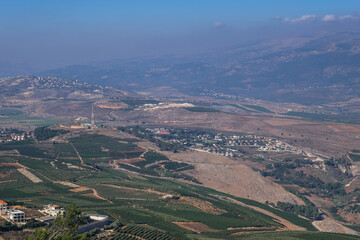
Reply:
x=77, y=153
x=288, y=226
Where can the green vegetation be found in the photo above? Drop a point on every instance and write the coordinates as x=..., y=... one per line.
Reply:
x=44, y=133
x=354, y=157
x=309, y=211
x=258, y=108
x=201, y=109
x=9, y=112
x=291, y=217
x=298, y=235
x=63, y=227
x=135, y=199
x=136, y=232
x=95, y=148
x=241, y=107
x=287, y=172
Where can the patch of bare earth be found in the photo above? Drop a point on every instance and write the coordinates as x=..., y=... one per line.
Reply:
x=69, y=184
x=353, y=217
x=79, y=189
x=201, y=204
x=288, y=226
x=353, y=185
x=225, y=175
x=129, y=160
x=329, y=225
x=135, y=189
x=195, y=227
x=94, y=194
x=17, y=165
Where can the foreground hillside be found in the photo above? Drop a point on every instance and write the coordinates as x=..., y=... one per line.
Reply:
x=128, y=179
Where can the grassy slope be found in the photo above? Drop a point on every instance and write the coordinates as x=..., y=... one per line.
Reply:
x=130, y=205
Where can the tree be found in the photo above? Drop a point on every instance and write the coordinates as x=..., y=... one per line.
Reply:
x=64, y=227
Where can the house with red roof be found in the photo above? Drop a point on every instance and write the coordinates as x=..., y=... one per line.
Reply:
x=3, y=207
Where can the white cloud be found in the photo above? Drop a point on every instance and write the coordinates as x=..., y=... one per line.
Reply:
x=329, y=18
x=304, y=18
x=311, y=17
x=347, y=17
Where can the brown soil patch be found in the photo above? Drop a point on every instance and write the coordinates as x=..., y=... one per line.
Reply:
x=10, y=152
x=95, y=194
x=135, y=189
x=19, y=207
x=195, y=227
x=69, y=184
x=200, y=204
x=329, y=225
x=320, y=202
x=352, y=185
x=79, y=189
x=228, y=176
x=129, y=160
x=288, y=226
x=17, y=165
x=111, y=107
x=353, y=218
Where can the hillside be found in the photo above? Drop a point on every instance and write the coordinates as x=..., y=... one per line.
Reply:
x=306, y=70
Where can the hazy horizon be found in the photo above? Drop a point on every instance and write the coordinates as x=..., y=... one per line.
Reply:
x=49, y=34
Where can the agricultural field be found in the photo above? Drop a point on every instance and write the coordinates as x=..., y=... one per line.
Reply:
x=201, y=109
x=131, y=196
x=355, y=157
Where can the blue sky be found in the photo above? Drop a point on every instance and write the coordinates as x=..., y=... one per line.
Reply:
x=59, y=32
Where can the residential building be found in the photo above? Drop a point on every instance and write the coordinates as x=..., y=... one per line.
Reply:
x=16, y=215
x=53, y=210
x=3, y=207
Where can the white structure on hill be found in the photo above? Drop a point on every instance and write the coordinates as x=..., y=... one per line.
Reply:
x=16, y=215
x=53, y=210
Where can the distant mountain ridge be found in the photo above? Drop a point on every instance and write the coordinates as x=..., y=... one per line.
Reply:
x=305, y=70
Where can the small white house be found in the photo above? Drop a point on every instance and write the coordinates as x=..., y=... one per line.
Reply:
x=53, y=210
x=16, y=215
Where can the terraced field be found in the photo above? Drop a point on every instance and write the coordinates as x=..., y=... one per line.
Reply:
x=132, y=196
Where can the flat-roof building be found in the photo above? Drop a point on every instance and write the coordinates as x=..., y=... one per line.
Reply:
x=53, y=210
x=16, y=215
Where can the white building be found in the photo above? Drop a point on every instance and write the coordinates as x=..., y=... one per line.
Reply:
x=16, y=215
x=53, y=210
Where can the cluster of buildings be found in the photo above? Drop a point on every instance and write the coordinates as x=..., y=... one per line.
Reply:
x=226, y=145
x=212, y=93
x=17, y=216
x=11, y=214
x=50, y=212
x=53, y=82
x=10, y=135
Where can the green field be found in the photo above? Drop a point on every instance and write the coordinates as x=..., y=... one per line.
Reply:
x=241, y=107
x=258, y=108
x=201, y=109
x=299, y=236
x=354, y=157
x=134, y=199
